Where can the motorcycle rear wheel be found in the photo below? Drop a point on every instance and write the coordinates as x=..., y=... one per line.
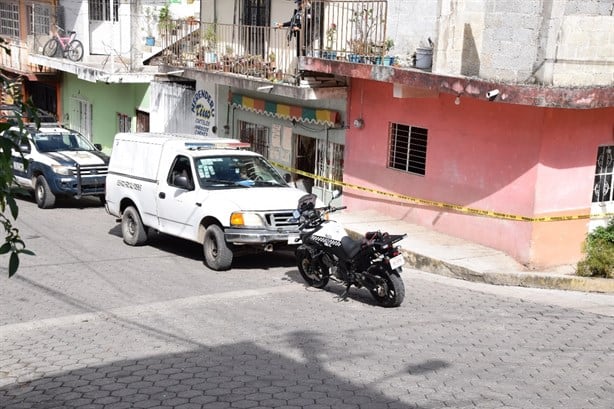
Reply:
x=314, y=273
x=389, y=290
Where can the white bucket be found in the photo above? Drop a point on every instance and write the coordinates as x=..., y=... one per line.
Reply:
x=424, y=57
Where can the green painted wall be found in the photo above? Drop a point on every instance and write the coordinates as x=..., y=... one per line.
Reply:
x=107, y=101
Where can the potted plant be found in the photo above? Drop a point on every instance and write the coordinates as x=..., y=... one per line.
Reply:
x=191, y=21
x=358, y=49
x=364, y=26
x=165, y=22
x=150, y=20
x=227, y=59
x=388, y=58
x=209, y=38
x=331, y=36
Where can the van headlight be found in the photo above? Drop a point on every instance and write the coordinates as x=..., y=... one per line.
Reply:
x=62, y=170
x=245, y=219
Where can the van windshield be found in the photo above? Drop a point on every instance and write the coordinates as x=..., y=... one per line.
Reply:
x=61, y=141
x=236, y=171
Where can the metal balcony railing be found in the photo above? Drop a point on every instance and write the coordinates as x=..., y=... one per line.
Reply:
x=254, y=51
x=353, y=31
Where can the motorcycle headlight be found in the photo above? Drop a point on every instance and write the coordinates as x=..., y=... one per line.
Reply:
x=244, y=219
x=62, y=170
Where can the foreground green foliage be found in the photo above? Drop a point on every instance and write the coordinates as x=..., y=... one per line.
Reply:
x=599, y=250
x=13, y=244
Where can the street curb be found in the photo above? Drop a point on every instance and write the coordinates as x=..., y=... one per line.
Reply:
x=552, y=281
x=519, y=279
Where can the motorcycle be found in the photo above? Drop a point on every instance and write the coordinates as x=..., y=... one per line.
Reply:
x=326, y=252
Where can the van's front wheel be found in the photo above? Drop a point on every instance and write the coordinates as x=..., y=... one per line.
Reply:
x=133, y=229
x=218, y=256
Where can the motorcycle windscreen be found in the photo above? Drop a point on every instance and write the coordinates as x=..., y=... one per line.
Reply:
x=307, y=202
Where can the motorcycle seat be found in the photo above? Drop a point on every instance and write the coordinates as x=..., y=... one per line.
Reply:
x=350, y=246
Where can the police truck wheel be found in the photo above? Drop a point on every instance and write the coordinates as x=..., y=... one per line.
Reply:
x=218, y=256
x=133, y=229
x=45, y=198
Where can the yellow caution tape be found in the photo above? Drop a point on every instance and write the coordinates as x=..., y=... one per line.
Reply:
x=444, y=205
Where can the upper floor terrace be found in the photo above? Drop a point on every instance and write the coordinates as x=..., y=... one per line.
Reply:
x=349, y=31
x=466, y=51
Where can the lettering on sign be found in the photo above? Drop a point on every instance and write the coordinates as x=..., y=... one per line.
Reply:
x=204, y=108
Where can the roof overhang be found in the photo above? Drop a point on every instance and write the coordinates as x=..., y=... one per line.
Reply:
x=428, y=82
x=93, y=73
x=30, y=75
x=243, y=82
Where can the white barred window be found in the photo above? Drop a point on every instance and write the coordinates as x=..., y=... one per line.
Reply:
x=39, y=19
x=604, y=169
x=100, y=10
x=9, y=19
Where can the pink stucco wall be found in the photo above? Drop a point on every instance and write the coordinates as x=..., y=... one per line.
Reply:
x=507, y=158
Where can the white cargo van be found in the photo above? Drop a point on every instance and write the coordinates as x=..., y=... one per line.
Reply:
x=211, y=191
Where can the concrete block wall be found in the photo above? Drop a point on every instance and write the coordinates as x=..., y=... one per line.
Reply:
x=552, y=42
x=410, y=24
x=585, y=55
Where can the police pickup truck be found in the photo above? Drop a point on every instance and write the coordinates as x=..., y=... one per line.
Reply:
x=210, y=191
x=61, y=162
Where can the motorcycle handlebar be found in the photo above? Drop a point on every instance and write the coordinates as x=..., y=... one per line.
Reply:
x=315, y=216
x=330, y=209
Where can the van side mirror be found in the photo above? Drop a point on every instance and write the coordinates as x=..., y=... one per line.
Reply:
x=98, y=146
x=183, y=182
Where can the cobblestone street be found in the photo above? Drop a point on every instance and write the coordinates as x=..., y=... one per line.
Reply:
x=92, y=323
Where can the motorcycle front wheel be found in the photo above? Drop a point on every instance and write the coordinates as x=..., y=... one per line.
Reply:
x=313, y=272
x=389, y=290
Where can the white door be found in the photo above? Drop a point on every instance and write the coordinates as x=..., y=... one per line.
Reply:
x=178, y=206
x=81, y=117
x=103, y=18
x=603, y=197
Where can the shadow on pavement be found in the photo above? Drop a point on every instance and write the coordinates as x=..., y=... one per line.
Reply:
x=248, y=259
x=234, y=375
x=66, y=202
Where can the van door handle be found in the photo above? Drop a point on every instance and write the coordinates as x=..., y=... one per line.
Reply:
x=162, y=195
x=199, y=204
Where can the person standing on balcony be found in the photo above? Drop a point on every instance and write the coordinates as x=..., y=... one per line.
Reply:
x=301, y=13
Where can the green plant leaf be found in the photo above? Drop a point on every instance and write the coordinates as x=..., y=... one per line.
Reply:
x=6, y=247
x=13, y=264
x=13, y=206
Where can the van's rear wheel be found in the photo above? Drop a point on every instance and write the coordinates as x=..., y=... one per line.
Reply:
x=133, y=229
x=44, y=197
x=218, y=255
